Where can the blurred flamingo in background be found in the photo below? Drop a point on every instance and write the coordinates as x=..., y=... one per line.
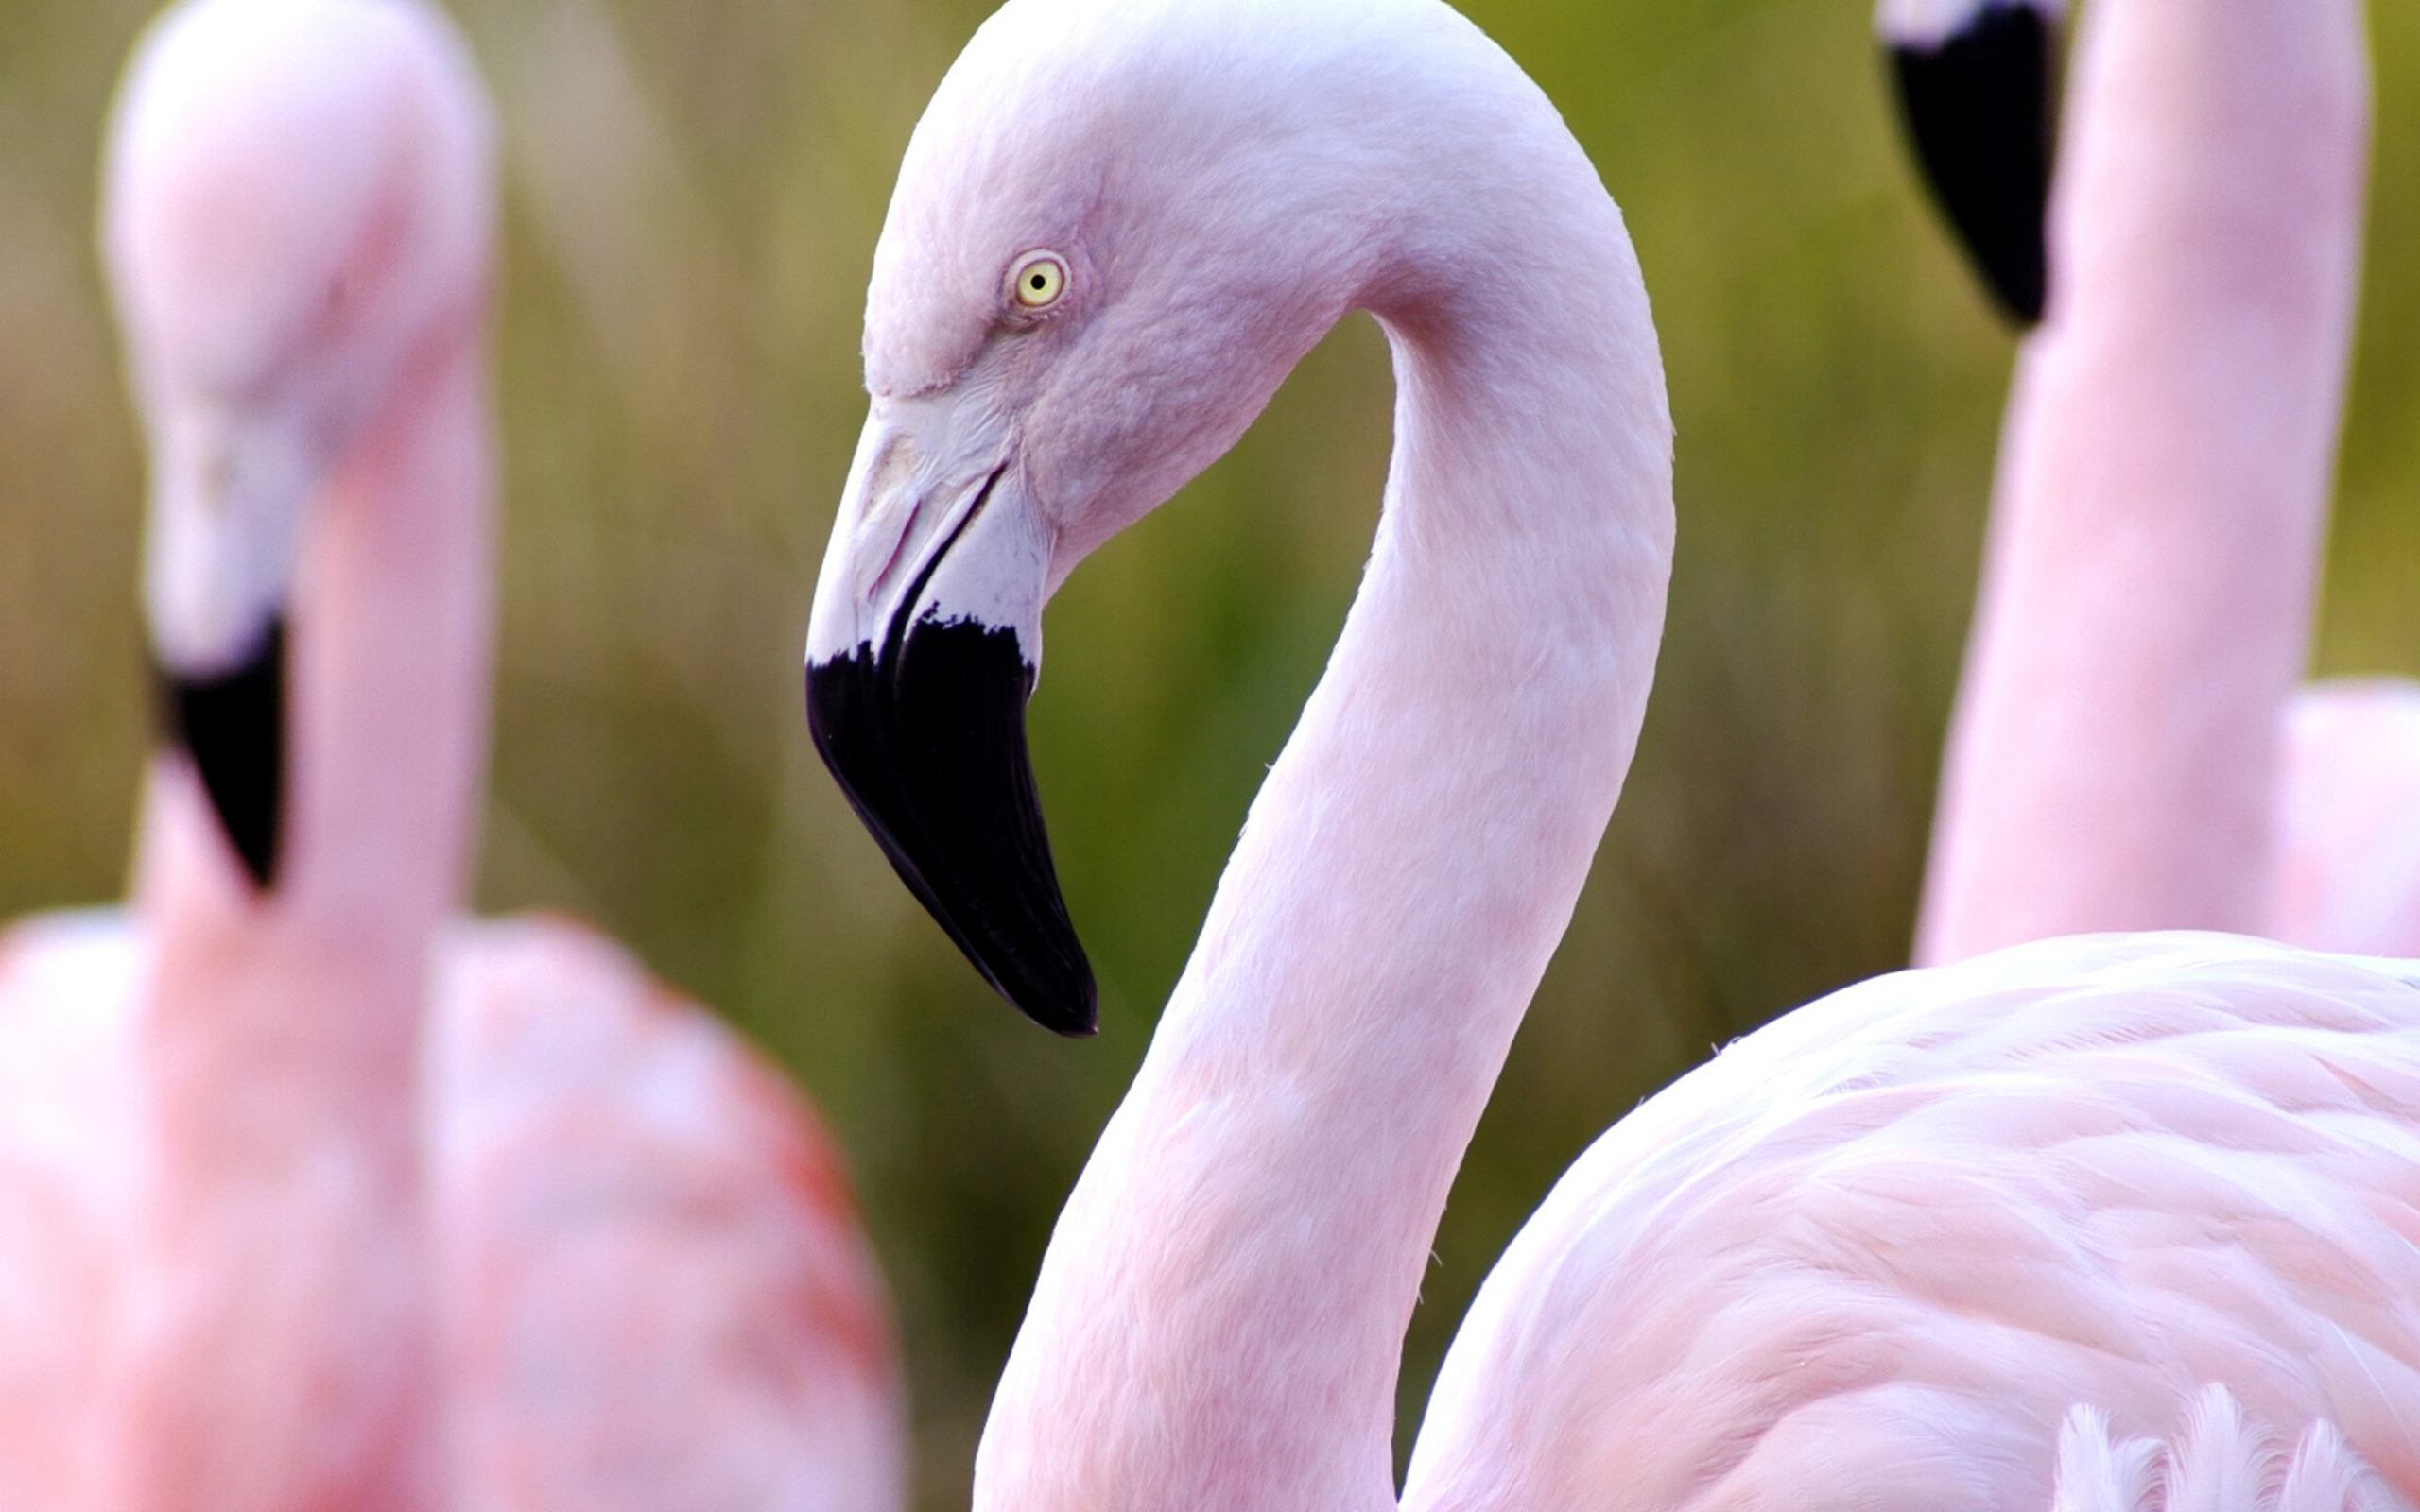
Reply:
x=2080, y=1225
x=314, y=1194
x=2129, y=749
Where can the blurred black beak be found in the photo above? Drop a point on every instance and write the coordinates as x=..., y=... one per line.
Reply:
x=924, y=730
x=1980, y=108
x=232, y=724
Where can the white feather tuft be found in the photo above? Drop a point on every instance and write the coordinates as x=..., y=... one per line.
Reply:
x=2097, y=1475
x=2221, y=1463
x=2227, y=1465
x=2327, y=1476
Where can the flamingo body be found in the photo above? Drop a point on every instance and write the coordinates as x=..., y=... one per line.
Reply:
x=651, y=1290
x=1878, y=1253
x=69, y=1143
x=653, y=1285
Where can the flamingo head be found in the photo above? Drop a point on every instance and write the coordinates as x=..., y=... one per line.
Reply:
x=1116, y=228
x=295, y=221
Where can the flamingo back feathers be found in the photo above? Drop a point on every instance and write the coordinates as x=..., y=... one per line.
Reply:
x=1873, y=1255
x=653, y=1288
x=660, y=1294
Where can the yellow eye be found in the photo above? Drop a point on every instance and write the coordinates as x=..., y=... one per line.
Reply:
x=1040, y=279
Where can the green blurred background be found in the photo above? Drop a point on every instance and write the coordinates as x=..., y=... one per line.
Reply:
x=693, y=192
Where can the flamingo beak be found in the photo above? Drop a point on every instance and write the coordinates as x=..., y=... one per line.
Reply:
x=1978, y=102
x=924, y=648
x=227, y=507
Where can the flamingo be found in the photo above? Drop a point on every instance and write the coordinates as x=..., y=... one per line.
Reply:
x=2129, y=750
x=2083, y=1224
x=315, y=1193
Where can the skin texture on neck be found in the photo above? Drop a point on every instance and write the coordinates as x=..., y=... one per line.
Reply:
x=2164, y=481
x=277, y=1348
x=1219, y=1319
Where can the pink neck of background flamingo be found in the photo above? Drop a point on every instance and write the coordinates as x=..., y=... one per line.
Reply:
x=2164, y=482
x=1219, y=1319
x=280, y=1348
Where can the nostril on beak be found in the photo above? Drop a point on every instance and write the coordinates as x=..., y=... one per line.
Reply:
x=893, y=501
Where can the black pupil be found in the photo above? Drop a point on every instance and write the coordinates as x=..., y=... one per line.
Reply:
x=1040, y=282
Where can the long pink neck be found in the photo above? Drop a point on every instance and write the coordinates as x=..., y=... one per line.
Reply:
x=1219, y=1321
x=276, y=1353
x=2164, y=482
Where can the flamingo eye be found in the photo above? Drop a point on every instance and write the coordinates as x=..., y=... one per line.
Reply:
x=1040, y=279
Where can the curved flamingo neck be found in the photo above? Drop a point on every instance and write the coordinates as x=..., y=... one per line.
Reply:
x=275, y=1349
x=2164, y=482
x=388, y=672
x=1219, y=1319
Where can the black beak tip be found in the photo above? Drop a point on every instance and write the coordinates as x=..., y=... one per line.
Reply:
x=927, y=739
x=1071, y=1010
x=1980, y=108
x=257, y=851
x=232, y=724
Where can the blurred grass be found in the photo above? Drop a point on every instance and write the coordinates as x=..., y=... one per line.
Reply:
x=693, y=196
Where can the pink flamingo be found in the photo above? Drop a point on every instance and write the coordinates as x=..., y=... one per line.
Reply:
x=2077, y=1225
x=313, y=1194
x=2129, y=749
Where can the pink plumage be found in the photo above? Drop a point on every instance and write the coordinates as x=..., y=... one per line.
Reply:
x=654, y=1291
x=650, y=1288
x=1880, y=1253
x=2348, y=870
x=314, y=1194
x=2222, y=1462
x=1983, y=1238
